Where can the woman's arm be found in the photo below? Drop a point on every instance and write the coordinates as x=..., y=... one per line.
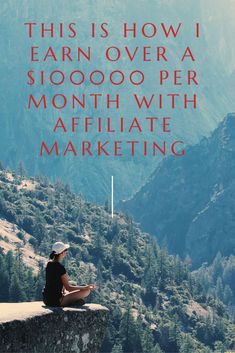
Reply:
x=70, y=288
x=67, y=286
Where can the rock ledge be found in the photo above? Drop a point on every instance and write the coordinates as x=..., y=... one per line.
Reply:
x=33, y=327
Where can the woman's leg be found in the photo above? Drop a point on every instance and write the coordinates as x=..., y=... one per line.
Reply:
x=72, y=297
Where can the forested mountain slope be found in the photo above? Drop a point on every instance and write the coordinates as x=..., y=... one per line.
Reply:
x=155, y=304
x=188, y=202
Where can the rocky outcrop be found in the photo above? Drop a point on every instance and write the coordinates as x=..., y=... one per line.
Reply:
x=36, y=328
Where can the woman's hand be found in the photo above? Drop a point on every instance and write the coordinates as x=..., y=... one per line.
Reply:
x=64, y=291
x=85, y=287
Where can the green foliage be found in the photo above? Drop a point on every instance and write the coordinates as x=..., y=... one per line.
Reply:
x=187, y=344
x=147, y=291
x=17, y=282
x=218, y=279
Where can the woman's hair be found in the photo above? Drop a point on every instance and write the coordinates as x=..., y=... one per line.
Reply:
x=52, y=255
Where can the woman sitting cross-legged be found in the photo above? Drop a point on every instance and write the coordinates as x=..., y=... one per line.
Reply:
x=57, y=290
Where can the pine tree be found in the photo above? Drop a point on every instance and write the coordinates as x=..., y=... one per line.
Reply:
x=174, y=336
x=52, y=235
x=115, y=250
x=39, y=231
x=147, y=341
x=157, y=349
x=131, y=241
x=163, y=270
x=40, y=282
x=217, y=267
x=117, y=316
x=228, y=295
x=10, y=262
x=107, y=343
x=131, y=341
x=16, y=293
x=99, y=245
x=188, y=261
x=99, y=277
x=187, y=345
x=30, y=284
x=117, y=348
x=219, y=288
x=4, y=280
x=229, y=273
x=107, y=205
x=20, y=169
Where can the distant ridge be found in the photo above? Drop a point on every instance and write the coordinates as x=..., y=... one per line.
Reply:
x=189, y=203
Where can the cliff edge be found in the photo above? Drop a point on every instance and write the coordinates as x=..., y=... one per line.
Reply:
x=32, y=327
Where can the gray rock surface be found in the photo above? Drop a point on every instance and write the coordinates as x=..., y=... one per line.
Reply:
x=32, y=327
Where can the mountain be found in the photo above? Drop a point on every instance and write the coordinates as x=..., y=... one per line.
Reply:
x=155, y=304
x=22, y=130
x=188, y=202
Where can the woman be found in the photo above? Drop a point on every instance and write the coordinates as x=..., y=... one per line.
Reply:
x=58, y=291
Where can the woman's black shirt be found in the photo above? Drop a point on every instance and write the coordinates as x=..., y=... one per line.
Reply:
x=53, y=289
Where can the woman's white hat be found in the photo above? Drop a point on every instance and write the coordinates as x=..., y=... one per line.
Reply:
x=59, y=247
